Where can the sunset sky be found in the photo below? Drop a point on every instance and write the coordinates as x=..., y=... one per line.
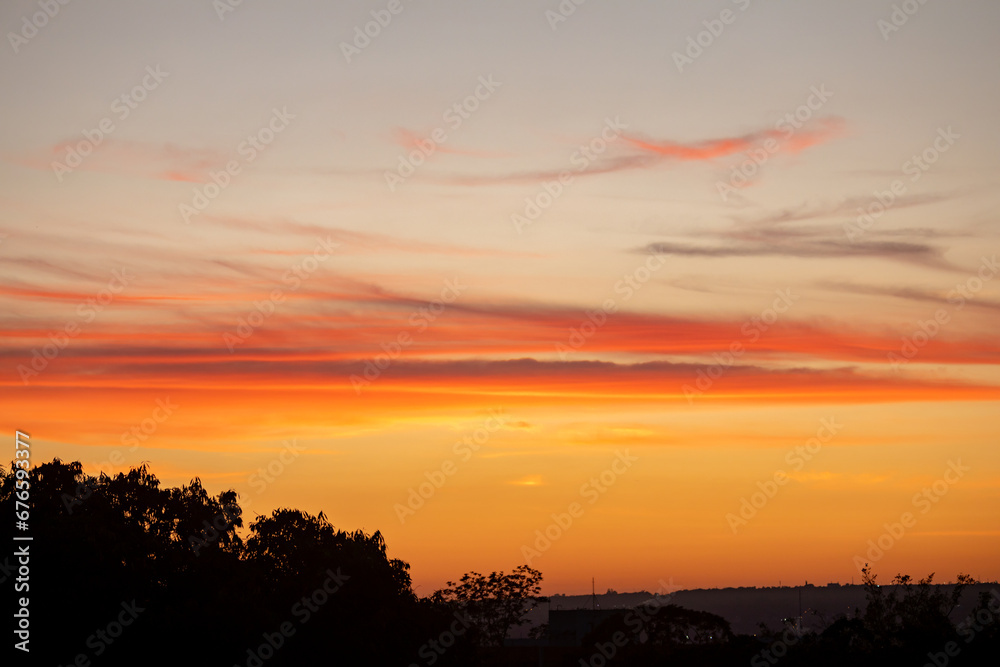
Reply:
x=644, y=257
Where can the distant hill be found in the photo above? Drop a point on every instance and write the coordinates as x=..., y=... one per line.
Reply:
x=747, y=607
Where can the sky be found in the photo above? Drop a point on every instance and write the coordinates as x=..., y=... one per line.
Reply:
x=633, y=291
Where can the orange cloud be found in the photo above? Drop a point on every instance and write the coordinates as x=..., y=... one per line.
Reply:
x=361, y=316
x=773, y=140
x=642, y=153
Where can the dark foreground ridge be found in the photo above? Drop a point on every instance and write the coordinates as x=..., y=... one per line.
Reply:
x=124, y=572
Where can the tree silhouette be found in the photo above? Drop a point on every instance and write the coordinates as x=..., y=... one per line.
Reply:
x=903, y=614
x=496, y=602
x=207, y=596
x=292, y=589
x=676, y=626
